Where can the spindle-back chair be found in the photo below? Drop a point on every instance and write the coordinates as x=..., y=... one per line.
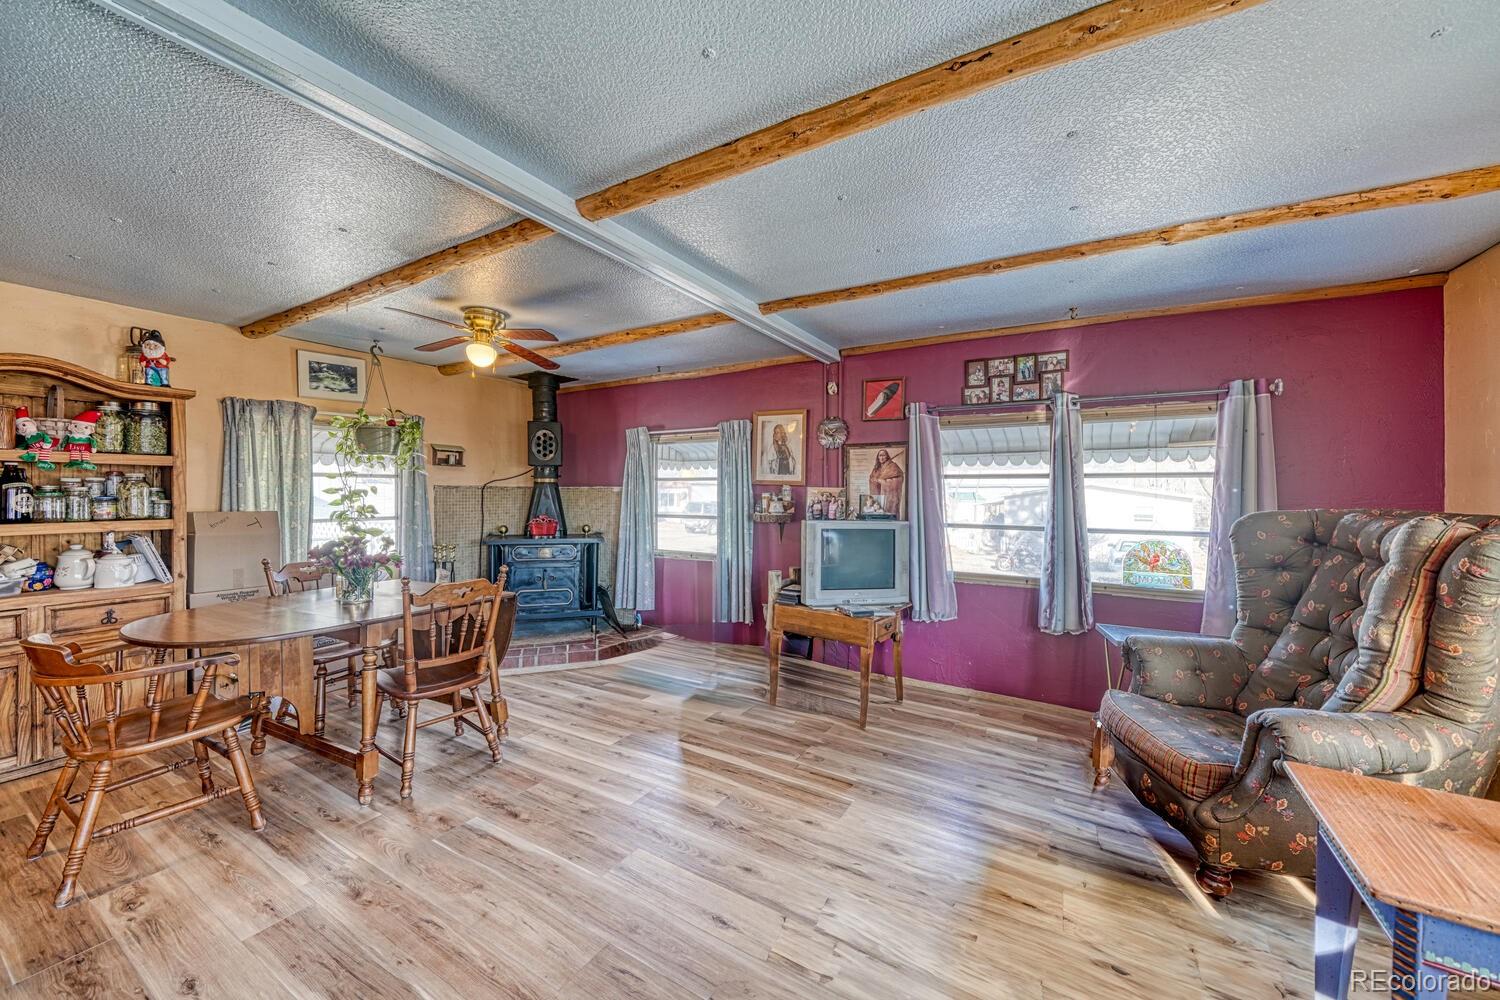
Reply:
x=328, y=650
x=86, y=699
x=448, y=654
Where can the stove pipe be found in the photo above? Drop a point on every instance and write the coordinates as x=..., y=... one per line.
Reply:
x=544, y=448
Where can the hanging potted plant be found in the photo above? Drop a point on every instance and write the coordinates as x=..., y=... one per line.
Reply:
x=392, y=434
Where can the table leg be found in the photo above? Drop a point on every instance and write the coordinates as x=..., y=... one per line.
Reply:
x=368, y=764
x=896, y=658
x=1336, y=927
x=773, y=658
x=866, y=653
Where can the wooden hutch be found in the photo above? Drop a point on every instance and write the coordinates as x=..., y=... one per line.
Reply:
x=92, y=618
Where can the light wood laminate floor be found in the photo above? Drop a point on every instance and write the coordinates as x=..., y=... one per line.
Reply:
x=655, y=830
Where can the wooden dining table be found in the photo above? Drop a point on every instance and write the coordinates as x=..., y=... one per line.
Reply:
x=273, y=637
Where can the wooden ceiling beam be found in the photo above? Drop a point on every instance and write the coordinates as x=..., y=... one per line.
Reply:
x=631, y=335
x=1463, y=184
x=1098, y=29
x=738, y=366
x=411, y=273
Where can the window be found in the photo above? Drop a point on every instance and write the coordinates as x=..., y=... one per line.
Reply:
x=687, y=495
x=380, y=480
x=1148, y=481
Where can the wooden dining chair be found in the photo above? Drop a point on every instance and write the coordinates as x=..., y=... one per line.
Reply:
x=447, y=657
x=86, y=699
x=328, y=650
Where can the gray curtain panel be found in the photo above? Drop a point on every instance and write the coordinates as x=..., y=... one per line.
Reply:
x=732, y=572
x=635, y=562
x=1244, y=483
x=1066, y=603
x=933, y=596
x=268, y=465
x=414, y=519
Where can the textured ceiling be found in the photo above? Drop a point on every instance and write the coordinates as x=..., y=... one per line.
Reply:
x=139, y=172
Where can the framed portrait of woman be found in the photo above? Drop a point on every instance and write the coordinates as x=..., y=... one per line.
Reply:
x=779, y=443
x=876, y=472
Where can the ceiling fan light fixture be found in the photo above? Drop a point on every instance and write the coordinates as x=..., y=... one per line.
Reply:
x=481, y=354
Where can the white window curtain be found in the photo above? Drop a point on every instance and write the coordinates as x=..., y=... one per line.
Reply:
x=1066, y=603
x=933, y=596
x=268, y=466
x=414, y=519
x=1244, y=482
x=732, y=573
x=635, y=562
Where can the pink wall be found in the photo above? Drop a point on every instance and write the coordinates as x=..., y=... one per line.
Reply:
x=1360, y=424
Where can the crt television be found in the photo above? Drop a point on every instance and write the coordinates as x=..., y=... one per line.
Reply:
x=855, y=562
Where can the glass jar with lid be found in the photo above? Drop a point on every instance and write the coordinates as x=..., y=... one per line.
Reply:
x=104, y=507
x=95, y=485
x=135, y=497
x=109, y=430
x=76, y=502
x=146, y=429
x=49, y=504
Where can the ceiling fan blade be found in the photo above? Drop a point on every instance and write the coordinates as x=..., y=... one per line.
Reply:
x=445, y=322
x=443, y=345
x=529, y=333
x=526, y=354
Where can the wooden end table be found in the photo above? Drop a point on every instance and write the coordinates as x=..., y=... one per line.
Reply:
x=829, y=625
x=1426, y=863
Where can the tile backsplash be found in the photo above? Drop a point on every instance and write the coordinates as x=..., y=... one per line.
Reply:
x=455, y=520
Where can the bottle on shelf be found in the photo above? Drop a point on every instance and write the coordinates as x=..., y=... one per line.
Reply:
x=17, y=501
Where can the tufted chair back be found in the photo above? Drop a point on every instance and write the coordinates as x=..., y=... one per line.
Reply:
x=1306, y=582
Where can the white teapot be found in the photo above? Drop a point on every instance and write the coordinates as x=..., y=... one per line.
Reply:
x=75, y=568
x=114, y=569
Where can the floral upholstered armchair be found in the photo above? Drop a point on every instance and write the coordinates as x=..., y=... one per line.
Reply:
x=1367, y=641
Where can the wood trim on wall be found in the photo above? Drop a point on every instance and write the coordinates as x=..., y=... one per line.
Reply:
x=1463, y=184
x=413, y=272
x=1098, y=29
x=740, y=366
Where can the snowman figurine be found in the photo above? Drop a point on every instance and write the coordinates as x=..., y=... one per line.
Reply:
x=79, y=441
x=37, y=442
x=154, y=360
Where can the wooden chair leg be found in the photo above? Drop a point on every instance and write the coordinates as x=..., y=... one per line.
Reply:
x=351, y=682
x=83, y=835
x=258, y=733
x=205, y=773
x=409, y=750
x=458, y=704
x=65, y=779
x=487, y=727
x=242, y=775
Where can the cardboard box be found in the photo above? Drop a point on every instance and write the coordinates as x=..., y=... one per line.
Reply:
x=225, y=549
x=227, y=596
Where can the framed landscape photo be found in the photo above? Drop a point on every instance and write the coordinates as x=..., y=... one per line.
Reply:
x=779, y=444
x=876, y=472
x=330, y=376
x=884, y=399
x=976, y=397
x=1052, y=361
x=975, y=374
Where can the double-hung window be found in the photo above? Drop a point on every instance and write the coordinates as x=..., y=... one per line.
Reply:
x=1148, y=482
x=376, y=476
x=687, y=495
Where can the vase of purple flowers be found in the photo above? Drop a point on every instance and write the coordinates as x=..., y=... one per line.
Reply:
x=355, y=566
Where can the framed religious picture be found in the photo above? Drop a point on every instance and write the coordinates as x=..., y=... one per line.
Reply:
x=999, y=388
x=976, y=397
x=1002, y=366
x=884, y=399
x=974, y=374
x=1052, y=361
x=1025, y=367
x=1051, y=384
x=330, y=376
x=779, y=443
x=876, y=471
x=1023, y=391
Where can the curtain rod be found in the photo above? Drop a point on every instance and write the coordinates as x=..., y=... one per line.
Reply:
x=1275, y=386
x=684, y=430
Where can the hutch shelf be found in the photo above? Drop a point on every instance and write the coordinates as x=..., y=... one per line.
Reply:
x=92, y=618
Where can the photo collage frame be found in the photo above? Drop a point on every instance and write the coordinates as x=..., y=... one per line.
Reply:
x=1018, y=378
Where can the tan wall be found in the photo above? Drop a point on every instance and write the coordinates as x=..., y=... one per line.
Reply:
x=485, y=416
x=1471, y=380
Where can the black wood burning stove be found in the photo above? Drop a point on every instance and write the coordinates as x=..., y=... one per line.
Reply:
x=554, y=579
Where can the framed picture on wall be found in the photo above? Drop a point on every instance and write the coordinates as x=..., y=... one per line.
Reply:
x=330, y=376
x=976, y=397
x=1023, y=391
x=1052, y=383
x=999, y=389
x=1025, y=367
x=1002, y=366
x=975, y=374
x=876, y=472
x=884, y=398
x=779, y=443
x=1052, y=361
